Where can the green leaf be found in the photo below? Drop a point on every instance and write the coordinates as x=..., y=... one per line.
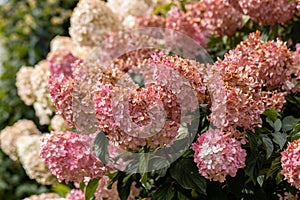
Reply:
x=270, y=122
x=144, y=162
x=277, y=125
x=236, y=184
x=215, y=191
x=143, y=167
x=185, y=172
x=124, y=185
x=275, y=166
x=295, y=136
x=279, y=178
x=296, y=128
x=91, y=189
x=165, y=192
x=160, y=165
x=163, y=9
x=252, y=158
x=101, y=150
x=260, y=180
x=181, y=196
x=269, y=147
x=82, y=186
x=271, y=114
x=280, y=139
x=61, y=189
x=289, y=123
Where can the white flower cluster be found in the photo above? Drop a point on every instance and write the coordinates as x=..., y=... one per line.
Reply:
x=63, y=43
x=21, y=142
x=32, y=85
x=90, y=21
x=28, y=148
x=10, y=134
x=127, y=10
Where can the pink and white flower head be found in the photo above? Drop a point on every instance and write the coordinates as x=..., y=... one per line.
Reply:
x=218, y=154
x=69, y=156
x=61, y=62
x=290, y=162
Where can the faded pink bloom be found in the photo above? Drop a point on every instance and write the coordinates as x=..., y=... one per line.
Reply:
x=61, y=89
x=218, y=154
x=214, y=16
x=75, y=195
x=177, y=20
x=254, y=63
x=273, y=100
x=267, y=12
x=124, y=50
x=127, y=125
x=251, y=74
x=231, y=108
x=150, y=21
x=70, y=157
x=190, y=70
x=290, y=162
x=61, y=62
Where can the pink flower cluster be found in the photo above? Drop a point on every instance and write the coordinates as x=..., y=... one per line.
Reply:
x=150, y=21
x=69, y=156
x=61, y=62
x=267, y=12
x=205, y=18
x=75, y=194
x=133, y=130
x=61, y=89
x=290, y=162
x=177, y=20
x=214, y=16
x=218, y=155
x=190, y=70
x=253, y=75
